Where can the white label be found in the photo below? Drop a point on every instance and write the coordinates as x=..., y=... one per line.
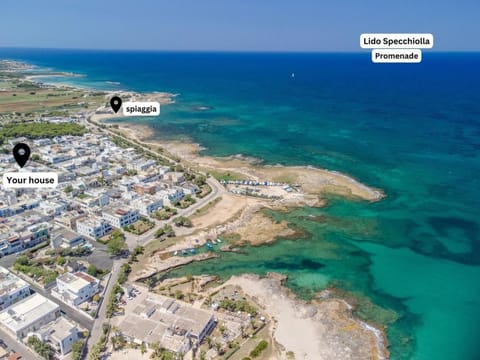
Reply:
x=396, y=41
x=141, y=108
x=30, y=180
x=396, y=56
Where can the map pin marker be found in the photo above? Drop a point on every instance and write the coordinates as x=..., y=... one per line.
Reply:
x=21, y=153
x=116, y=103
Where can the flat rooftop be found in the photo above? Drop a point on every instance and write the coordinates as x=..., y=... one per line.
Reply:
x=10, y=282
x=76, y=281
x=26, y=312
x=60, y=328
x=151, y=317
x=65, y=233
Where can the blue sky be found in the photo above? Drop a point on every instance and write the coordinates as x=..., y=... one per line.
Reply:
x=255, y=25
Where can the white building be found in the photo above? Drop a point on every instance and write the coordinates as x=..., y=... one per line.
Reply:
x=53, y=208
x=147, y=204
x=141, y=165
x=65, y=238
x=174, y=324
x=28, y=315
x=171, y=196
x=12, y=289
x=76, y=288
x=60, y=334
x=10, y=243
x=93, y=227
x=121, y=217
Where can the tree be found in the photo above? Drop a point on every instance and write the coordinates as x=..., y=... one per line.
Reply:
x=167, y=231
x=41, y=348
x=116, y=245
x=95, y=352
x=179, y=294
x=61, y=260
x=77, y=350
x=143, y=348
x=217, y=346
x=209, y=341
x=117, y=342
x=222, y=329
x=68, y=189
x=262, y=345
x=22, y=260
x=200, y=180
x=183, y=221
x=150, y=282
x=125, y=269
x=138, y=250
x=92, y=270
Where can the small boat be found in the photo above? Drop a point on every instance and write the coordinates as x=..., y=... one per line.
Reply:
x=219, y=240
x=175, y=253
x=210, y=246
x=214, y=242
x=184, y=252
x=192, y=251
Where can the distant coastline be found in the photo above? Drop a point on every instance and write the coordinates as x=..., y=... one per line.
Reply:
x=312, y=183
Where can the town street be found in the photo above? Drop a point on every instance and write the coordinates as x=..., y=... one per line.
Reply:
x=217, y=191
x=17, y=346
x=96, y=332
x=74, y=314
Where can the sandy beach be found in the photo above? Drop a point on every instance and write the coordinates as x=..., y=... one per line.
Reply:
x=323, y=330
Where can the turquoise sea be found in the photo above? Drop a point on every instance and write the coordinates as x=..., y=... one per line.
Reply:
x=412, y=259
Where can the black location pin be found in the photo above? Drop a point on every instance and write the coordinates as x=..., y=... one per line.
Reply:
x=21, y=153
x=116, y=103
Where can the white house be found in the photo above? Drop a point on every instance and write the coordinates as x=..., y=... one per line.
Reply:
x=93, y=227
x=121, y=217
x=171, y=196
x=75, y=288
x=28, y=315
x=147, y=204
x=60, y=334
x=141, y=164
x=12, y=288
x=65, y=238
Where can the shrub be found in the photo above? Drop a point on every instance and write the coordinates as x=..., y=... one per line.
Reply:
x=262, y=345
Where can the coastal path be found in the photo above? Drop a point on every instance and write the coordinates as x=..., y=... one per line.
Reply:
x=217, y=191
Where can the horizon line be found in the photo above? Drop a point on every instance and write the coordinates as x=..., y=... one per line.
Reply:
x=359, y=51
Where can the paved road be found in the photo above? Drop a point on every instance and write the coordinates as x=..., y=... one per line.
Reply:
x=134, y=240
x=8, y=261
x=71, y=313
x=217, y=191
x=96, y=331
x=17, y=346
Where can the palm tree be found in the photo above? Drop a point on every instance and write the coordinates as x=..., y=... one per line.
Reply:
x=156, y=349
x=209, y=341
x=242, y=330
x=114, y=330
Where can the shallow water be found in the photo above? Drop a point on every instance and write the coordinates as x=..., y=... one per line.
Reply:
x=412, y=130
